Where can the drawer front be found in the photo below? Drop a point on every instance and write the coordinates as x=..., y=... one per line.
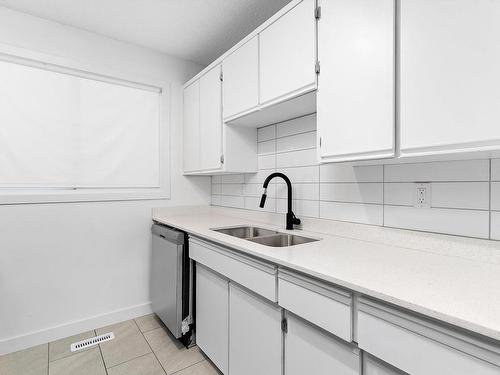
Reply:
x=327, y=308
x=257, y=276
x=415, y=353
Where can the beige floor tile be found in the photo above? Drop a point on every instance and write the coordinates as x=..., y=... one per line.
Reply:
x=32, y=361
x=201, y=368
x=88, y=362
x=148, y=322
x=62, y=348
x=129, y=343
x=170, y=352
x=145, y=365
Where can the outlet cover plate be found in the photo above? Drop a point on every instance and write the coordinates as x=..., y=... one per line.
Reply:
x=422, y=195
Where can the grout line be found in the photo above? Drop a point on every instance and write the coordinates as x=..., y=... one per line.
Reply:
x=489, y=203
x=102, y=356
x=48, y=358
x=191, y=365
x=133, y=359
x=147, y=342
x=383, y=195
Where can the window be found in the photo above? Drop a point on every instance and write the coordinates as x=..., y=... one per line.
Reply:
x=70, y=131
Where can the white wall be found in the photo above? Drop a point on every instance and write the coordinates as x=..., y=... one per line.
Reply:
x=376, y=195
x=69, y=267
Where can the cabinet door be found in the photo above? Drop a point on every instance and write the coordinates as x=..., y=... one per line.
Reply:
x=450, y=76
x=373, y=366
x=211, y=119
x=356, y=115
x=254, y=334
x=288, y=54
x=241, y=79
x=309, y=350
x=192, y=127
x=212, y=294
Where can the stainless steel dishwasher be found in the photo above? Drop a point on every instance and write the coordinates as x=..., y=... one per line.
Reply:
x=171, y=281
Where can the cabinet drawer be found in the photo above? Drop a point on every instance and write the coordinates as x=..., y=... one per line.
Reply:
x=420, y=347
x=321, y=304
x=253, y=274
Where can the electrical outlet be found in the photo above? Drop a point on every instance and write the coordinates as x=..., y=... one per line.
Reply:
x=422, y=195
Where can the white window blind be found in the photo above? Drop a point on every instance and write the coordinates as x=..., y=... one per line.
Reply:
x=60, y=130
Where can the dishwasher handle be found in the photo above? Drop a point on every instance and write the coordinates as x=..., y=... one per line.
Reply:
x=169, y=234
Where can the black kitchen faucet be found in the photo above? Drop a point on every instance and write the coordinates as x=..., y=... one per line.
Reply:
x=291, y=220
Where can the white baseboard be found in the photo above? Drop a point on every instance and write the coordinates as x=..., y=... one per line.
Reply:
x=13, y=344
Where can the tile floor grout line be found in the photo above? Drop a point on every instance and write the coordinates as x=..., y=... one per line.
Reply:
x=152, y=351
x=185, y=368
x=48, y=358
x=121, y=363
x=100, y=352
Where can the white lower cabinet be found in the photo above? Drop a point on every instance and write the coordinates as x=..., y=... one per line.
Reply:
x=254, y=334
x=212, y=310
x=311, y=350
x=374, y=366
x=421, y=347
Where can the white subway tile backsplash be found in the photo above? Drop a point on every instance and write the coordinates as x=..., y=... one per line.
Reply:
x=216, y=200
x=348, y=173
x=470, y=223
x=466, y=170
x=495, y=225
x=266, y=147
x=466, y=195
x=266, y=133
x=296, y=142
x=302, y=174
x=296, y=126
x=353, y=212
x=461, y=193
x=233, y=179
x=232, y=201
x=216, y=189
x=252, y=203
x=232, y=189
x=495, y=196
x=266, y=161
x=300, y=191
x=300, y=207
x=257, y=178
x=296, y=158
x=495, y=170
x=256, y=190
x=352, y=192
x=469, y=195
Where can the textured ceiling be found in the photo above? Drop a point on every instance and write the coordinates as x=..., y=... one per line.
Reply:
x=196, y=30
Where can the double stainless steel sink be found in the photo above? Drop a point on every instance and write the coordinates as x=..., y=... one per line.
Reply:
x=265, y=237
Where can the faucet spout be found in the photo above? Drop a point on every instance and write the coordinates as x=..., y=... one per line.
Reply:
x=291, y=219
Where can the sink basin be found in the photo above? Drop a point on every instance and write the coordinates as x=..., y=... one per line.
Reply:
x=282, y=240
x=246, y=232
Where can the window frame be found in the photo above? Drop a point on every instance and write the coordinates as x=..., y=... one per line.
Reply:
x=61, y=195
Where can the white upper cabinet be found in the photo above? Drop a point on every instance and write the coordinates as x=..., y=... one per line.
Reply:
x=241, y=79
x=209, y=146
x=356, y=100
x=211, y=119
x=450, y=76
x=191, y=126
x=287, y=52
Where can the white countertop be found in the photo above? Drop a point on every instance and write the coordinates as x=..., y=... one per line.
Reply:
x=459, y=291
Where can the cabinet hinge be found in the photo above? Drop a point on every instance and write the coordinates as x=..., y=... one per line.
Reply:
x=319, y=141
x=222, y=159
x=284, y=325
x=221, y=76
x=317, y=67
x=317, y=12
